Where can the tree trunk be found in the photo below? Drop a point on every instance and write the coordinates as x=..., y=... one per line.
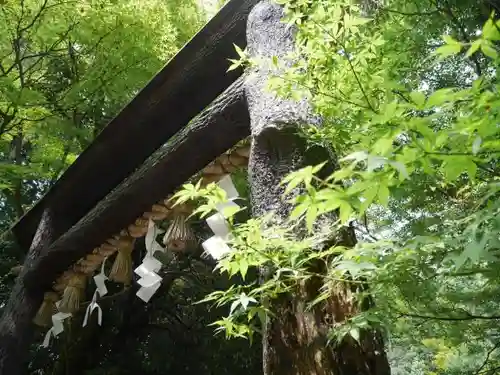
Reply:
x=16, y=327
x=295, y=342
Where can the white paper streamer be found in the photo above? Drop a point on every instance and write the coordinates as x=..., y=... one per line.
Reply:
x=146, y=293
x=149, y=280
x=58, y=320
x=100, y=280
x=150, y=240
x=90, y=308
x=216, y=247
x=48, y=335
x=218, y=225
x=149, y=264
x=57, y=326
x=226, y=184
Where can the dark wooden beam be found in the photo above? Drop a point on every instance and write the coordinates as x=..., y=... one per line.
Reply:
x=214, y=131
x=186, y=85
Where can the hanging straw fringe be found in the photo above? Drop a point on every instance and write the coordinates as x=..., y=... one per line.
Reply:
x=73, y=294
x=43, y=317
x=106, y=249
x=92, y=261
x=121, y=272
x=62, y=281
x=179, y=235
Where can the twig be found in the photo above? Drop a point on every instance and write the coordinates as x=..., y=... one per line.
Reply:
x=449, y=12
x=314, y=91
x=487, y=357
x=350, y=65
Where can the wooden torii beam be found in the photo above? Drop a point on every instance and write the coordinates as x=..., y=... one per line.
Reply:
x=73, y=218
x=225, y=122
x=192, y=79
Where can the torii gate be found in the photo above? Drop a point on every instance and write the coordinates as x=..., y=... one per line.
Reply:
x=109, y=187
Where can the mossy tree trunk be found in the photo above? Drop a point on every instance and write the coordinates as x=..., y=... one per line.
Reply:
x=295, y=342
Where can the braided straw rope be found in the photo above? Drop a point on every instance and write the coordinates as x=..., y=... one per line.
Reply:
x=224, y=164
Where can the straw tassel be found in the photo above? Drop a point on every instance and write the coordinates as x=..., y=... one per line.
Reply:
x=121, y=272
x=179, y=235
x=92, y=260
x=87, y=269
x=73, y=293
x=43, y=317
x=106, y=249
x=121, y=241
x=160, y=208
x=183, y=210
x=62, y=281
x=155, y=215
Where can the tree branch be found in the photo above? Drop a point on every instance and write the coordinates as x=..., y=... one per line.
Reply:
x=447, y=10
x=351, y=66
x=495, y=347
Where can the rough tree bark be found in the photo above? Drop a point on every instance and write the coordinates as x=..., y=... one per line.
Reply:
x=295, y=341
x=16, y=327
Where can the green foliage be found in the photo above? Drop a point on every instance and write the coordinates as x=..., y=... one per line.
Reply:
x=408, y=93
x=66, y=70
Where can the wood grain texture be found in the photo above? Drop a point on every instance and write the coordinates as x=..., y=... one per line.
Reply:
x=184, y=87
x=210, y=134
